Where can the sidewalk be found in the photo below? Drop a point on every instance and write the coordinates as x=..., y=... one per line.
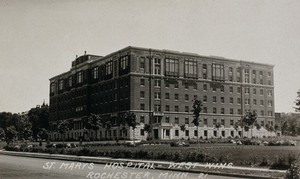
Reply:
x=228, y=170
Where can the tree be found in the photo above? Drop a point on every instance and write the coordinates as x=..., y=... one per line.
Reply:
x=249, y=119
x=218, y=125
x=2, y=134
x=63, y=127
x=43, y=134
x=130, y=119
x=10, y=134
x=236, y=126
x=39, y=118
x=94, y=122
x=297, y=108
x=197, y=108
x=148, y=129
x=284, y=128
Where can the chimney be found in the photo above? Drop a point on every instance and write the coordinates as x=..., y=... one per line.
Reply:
x=84, y=52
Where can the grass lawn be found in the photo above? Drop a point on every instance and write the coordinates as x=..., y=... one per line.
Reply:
x=241, y=155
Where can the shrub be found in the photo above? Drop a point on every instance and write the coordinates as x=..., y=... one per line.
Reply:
x=293, y=172
x=280, y=163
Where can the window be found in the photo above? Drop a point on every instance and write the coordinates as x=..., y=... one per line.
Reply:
x=231, y=100
x=187, y=133
x=204, y=109
x=167, y=108
x=204, y=99
x=95, y=73
x=247, y=90
x=261, y=102
x=186, y=97
x=157, y=83
x=247, y=101
x=142, y=106
x=215, y=110
x=176, y=96
x=204, y=71
x=195, y=86
x=239, y=111
x=269, y=74
x=142, y=119
x=247, y=78
x=230, y=74
x=195, y=96
x=238, y=90
x=223, y=122
x=222, y=88
x=172, y=67
x=176, y=108
x=168, y=132
x=167, y=95
x=186, y=120
x=261, y=92
x=157, y=70
x=142, y=82
x=269, y=82
x=52, y=88
x=254, y=102
x=205, y=121
x=270, y=103
x=214, y=89
x=238, y=100
x=167, y=119
x=214, y=99
x=186, y=85
x=195, y=133
x=222, y=111
x=262, y=113
x=270, y=93
x=80, y=77
x=205, y=133
x=142, y=94
x=190, y=69
x=186, y=109
x=108, y=67
x=176, y=85
x=231, y=111
x=124, y=62
x=231, y=122
x=231, y=89
x=214, y=121
x=262, y=123
x=167, y=84
x=142, y=63
x=254, y=91
x=61, y=84
x=176, y=120
x=238, y=74
x=70, y=81
x=142, y=132
x=177, y=133
x=157, y=95
x=204, y=87
x=157, y=108
x=222, y=100
x=270, y=113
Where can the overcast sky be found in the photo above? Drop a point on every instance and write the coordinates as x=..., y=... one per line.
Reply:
x=39, y=39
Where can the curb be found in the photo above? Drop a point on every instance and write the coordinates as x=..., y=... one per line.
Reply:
x=233, y=171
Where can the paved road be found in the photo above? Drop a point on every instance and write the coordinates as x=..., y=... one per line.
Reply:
x=12, y=167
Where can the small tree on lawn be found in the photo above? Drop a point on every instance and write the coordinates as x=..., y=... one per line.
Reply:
x=63, y=128
x=197, y=108
x=10, y=134
x=218, y=125
x=236, y=126
x=297, y=108
x=182, y=128
x=94, y=122
x=148, y=129
x=249, y=119
x=2, y=133
x=130, y=119
x=284, y=128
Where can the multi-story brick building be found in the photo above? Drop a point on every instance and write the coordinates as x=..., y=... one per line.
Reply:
x=159, y=86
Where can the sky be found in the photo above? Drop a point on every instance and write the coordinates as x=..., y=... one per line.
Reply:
x=39, y=39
